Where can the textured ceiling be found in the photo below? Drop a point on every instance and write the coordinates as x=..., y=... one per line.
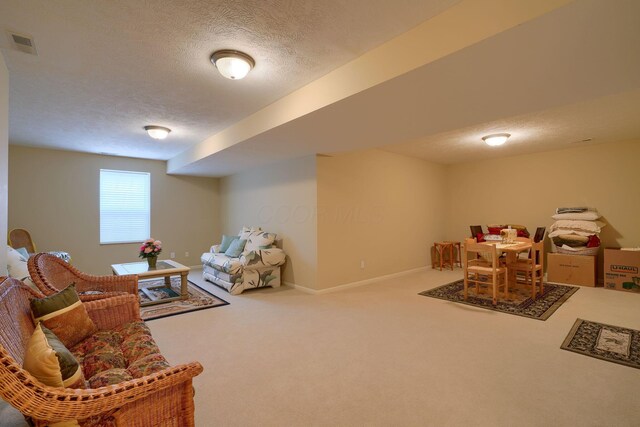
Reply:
x=568, y=75
x=107, y=68
x=608, y=119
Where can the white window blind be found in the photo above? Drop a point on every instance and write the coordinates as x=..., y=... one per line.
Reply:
x=125, y=206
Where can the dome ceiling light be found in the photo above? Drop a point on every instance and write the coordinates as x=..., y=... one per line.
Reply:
x=496, y=139
x=232, y=64
x=157, y=132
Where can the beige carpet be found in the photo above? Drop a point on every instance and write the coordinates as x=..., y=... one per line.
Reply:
x=382, y=355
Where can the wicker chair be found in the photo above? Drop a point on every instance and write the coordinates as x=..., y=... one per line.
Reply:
x=51, y=274
x=20, y=238
x=163, y=398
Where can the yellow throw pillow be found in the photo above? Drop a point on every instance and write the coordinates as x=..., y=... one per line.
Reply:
x=51, y=363
x=65, y=315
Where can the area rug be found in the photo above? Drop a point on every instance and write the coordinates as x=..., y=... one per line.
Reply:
x=520, y=302
x=199, y=299
x=611, y=343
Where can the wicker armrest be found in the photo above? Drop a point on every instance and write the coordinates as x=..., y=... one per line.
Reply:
x=57, y=404
x=128, y=283
x=107, y=313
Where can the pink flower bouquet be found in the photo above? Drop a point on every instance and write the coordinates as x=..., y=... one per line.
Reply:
x=150, y=248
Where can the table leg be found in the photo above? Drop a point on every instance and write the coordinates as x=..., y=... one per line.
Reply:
x=184, y=292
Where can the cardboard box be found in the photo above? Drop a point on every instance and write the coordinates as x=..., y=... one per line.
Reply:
x=622, y=270
x=572, y=269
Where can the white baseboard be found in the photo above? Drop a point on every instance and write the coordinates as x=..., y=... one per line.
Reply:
x=355, y=284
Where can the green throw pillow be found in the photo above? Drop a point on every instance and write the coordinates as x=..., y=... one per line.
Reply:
x=65, y=315
x=226, y=242
x=235, y=249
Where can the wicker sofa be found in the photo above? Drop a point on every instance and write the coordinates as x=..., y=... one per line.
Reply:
x=162, y=396
x=256, y=267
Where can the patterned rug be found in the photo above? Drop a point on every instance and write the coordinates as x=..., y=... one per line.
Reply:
x=519, y=303
x=611, y=343
x=199, y=299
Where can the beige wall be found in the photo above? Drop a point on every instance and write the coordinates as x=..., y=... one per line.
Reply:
x=54, y=195
x=280, y=198
x=378, y=207
x=528, y=189
x=4, y=147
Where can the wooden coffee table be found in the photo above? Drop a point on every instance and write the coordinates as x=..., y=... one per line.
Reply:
x=164, y=269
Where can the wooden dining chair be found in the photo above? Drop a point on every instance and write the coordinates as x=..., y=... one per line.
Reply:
x=532, y=267
x=475, y=230
x=539, y=236
x=483, y=270
x=20, y=238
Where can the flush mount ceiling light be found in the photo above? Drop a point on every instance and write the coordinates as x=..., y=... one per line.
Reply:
x=232, y=64
x=157, y=132
x=496, y=139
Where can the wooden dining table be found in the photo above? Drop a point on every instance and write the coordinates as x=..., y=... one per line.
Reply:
x=511, y=250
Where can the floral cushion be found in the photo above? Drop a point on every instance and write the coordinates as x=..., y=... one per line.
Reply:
x=259, y=240
x=263, y=258
x=223, y=263
x=246, y=232
x=122, y=354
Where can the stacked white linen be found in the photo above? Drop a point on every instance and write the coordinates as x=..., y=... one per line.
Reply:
x=576, y=231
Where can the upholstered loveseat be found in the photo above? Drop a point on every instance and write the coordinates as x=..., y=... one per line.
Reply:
x=255, y=264
x=119, y=376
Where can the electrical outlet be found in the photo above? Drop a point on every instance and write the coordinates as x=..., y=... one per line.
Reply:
x=173, y=255
x=362, y=264
x=186, y=254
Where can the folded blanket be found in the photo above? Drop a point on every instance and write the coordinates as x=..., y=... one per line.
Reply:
x=578, y=225
x=566, y=210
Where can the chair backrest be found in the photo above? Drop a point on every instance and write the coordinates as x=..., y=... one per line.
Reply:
x=16, y=324
x=20, y=238
x=51, y=274
x=475, y=230
x=539, y=236
x=537, y=253
x=486, y=251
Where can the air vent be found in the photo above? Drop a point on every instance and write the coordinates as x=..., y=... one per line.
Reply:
x=22, y=42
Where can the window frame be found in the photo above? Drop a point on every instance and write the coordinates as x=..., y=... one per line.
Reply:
x=120, y=242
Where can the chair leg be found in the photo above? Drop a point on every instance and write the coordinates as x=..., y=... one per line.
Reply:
x=533, y=284
x=466, y=286
x=506, y=286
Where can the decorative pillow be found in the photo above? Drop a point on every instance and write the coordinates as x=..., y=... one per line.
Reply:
x=65, y=315
x=236, y=248
x=260, y=240
x=246, y=232
x=585, y=216
x=226, y=242
x=23, y=252
x=17, y=267
x=495, y=229
x=48, y=360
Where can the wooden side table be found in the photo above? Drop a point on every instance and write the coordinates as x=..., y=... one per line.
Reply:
x=458, y=253
x=440, y=249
